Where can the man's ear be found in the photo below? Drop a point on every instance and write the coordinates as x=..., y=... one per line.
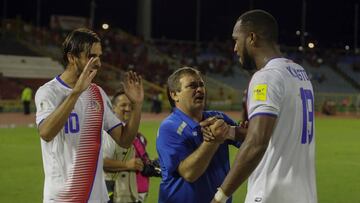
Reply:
x=174, y=96
x=253, y=39
x=71, y=58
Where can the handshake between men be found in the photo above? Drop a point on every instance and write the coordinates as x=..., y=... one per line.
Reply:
x=217, y=130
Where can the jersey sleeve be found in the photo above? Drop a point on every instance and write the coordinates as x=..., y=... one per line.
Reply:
x=45, y=102
x=171, y=147
x=265, y=93
x=110, y=119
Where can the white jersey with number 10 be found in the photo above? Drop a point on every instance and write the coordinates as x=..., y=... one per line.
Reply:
x=73, y=163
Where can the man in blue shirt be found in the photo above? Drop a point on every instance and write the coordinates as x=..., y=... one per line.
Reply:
x=193, y=168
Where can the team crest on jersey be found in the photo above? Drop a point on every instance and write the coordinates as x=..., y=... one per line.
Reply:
x=259, y=92
x=95, y=105
x=44, y=105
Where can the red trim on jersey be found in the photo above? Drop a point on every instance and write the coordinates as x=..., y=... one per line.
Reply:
x=81, y=178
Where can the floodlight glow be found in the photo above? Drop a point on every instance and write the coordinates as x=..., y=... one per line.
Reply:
x=105, y=26
x=311, y=45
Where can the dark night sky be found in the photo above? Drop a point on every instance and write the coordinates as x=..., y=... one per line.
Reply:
x=329, y=22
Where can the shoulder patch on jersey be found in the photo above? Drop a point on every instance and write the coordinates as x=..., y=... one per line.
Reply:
x=44, y=105
x=181, y=128
x=259, y=92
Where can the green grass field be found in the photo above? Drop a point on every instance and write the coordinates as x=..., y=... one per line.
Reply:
x=337, y=160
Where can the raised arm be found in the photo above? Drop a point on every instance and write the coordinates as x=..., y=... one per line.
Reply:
x=51, y=126
x=133, y=87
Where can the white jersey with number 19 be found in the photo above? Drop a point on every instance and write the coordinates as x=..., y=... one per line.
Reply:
x=73, y=163
x=286, y=172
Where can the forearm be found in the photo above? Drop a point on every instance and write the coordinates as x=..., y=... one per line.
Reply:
x=246, y=161
x=250, y=152
x=240, y=133
x=195, y=164
x=112, y=165
x=51, y=126
x=131, y=128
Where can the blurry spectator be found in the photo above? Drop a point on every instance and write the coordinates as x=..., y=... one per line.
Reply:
x=221, y=94
x=328, y=108
x=127, y=171
x=156, y=106
x=26, y=97
x=345, y=103
x=120, y=164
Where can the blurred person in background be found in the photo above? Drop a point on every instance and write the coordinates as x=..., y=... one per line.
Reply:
x=278, y=154
x=127, y=171
x=71, y=114
x=26, y=97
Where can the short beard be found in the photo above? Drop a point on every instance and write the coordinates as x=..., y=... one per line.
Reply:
x=248, y=62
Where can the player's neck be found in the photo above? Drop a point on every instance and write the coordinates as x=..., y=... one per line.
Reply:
x=69, y=77
x=266, y=55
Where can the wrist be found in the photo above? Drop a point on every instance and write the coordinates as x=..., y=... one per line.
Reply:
x=231, y=134
x=211, y=143
x=75, y=93
x=137, y=104
x=220, y=196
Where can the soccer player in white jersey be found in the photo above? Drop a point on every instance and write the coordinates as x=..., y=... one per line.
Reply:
x=277, y=156
x=71, y=114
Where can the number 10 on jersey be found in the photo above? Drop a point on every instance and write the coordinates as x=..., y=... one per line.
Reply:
x=72, y=124
x=307, y=99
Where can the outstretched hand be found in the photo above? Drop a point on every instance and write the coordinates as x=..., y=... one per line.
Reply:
x=133, y=87
x=86, y=76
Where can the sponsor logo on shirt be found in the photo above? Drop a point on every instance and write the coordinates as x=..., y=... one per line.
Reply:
x=95, y=105
x=259, y=92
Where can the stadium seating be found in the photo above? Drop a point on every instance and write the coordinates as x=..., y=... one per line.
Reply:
x=29, y=67
x=326, y=80
x=350, y=66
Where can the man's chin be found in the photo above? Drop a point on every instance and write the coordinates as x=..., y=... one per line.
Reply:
x=199, y=105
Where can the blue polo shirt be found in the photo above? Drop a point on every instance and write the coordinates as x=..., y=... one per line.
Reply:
x=178, y=137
